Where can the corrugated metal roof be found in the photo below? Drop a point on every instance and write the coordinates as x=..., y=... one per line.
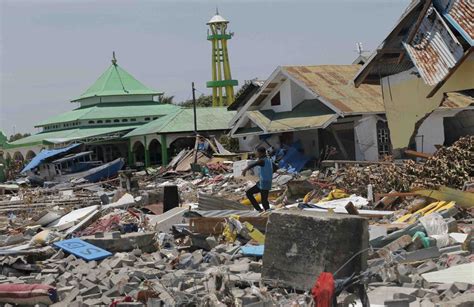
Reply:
x=249, y=89
x=461, y=14
x=116, y=81
x=458, y=99
x=208, y=119
x=226, y=213
x=334, y=84
x=310, y=114
x=434, y=50
x=70, y=135
x=113, y=111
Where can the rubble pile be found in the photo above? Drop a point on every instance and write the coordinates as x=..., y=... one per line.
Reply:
x=449, y=166
x=208, y=278
x=171, y=238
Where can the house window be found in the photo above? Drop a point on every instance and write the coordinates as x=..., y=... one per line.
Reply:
x=99, y=122
x=107, y=121
x=133, y=120
x=124, y=120
x=91, y=122
x=383, y=139
x=276, y=100
x=116, y=120
x=147, y=118
x=155, y=118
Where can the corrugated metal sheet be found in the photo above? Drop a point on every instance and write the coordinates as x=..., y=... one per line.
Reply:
x=113, y=111
x=209, y=202
x=458, y=99
x=310, y=114
x=434, y=50
x=70, y=135
x=226, y=213
x=208, y=119
x=461, y=14
x=333, y=84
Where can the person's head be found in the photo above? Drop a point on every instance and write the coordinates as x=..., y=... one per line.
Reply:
x=260, y=152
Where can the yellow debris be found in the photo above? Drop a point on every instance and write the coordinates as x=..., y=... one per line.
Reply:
x=335, y=194
x=254, y=233
x=437, y=206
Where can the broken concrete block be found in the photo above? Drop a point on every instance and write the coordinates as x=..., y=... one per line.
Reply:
x=301, y=245
x=91, y=290
x=426, y=267
x=403, y=302
x=421, y=254
x=399, y=243
x=127, y=242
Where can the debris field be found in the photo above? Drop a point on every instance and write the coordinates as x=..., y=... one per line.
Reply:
x=392, y=233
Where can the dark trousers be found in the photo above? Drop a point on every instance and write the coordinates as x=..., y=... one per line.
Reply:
x=264, y=193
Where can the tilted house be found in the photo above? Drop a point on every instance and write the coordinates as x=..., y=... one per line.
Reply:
x=425, y=69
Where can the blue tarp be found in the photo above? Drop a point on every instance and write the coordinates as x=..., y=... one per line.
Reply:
x=45, y=154
x=294, y=160
x=253, y=250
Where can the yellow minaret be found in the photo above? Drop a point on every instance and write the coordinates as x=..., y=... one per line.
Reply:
x=221, y=76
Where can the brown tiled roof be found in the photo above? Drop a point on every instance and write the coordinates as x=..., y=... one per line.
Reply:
x=334, y=84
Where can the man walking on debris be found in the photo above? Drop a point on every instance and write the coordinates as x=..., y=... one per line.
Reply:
x=265, y=183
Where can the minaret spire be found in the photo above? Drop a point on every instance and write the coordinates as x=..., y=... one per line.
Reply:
x=114, y=59
x=222, y=83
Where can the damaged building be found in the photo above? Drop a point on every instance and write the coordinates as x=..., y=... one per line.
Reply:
x=318, y=110
x=109, y=110
x=316, y=107
x=425, y=70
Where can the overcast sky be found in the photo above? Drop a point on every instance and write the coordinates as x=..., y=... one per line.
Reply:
x=51, y=51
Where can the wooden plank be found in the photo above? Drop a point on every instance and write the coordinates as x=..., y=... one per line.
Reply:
x=332, y=162
x=463, y=199
x=417, y=154
x=215, y=225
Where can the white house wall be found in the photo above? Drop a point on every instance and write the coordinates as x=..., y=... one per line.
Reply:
x=285, y=98
x=366, y=138
x=291, y=95
x=431, y=131
x=248, y=143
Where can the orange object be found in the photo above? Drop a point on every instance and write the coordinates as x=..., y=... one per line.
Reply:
x=323, y=290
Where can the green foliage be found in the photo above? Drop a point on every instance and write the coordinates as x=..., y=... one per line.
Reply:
x=167, y=99
x=229, y=143
x=202, y=101
x=17, y=136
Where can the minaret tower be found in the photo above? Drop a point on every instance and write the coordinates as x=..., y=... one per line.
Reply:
x=221, y=76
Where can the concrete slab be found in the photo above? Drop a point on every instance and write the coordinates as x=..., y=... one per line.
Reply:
x=300, y=245
x=163, y=222
x=126, y=242
x=459, y=273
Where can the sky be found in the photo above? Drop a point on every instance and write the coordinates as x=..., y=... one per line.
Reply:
x=51, y=51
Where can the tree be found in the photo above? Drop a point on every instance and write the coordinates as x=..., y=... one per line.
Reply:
x=202, y=101
x=17, y=136
x=167, y=99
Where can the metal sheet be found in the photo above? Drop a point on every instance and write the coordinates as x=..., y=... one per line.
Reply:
x=434, y=49
x=83, y=249
x=460, y=13
x=333, y=84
